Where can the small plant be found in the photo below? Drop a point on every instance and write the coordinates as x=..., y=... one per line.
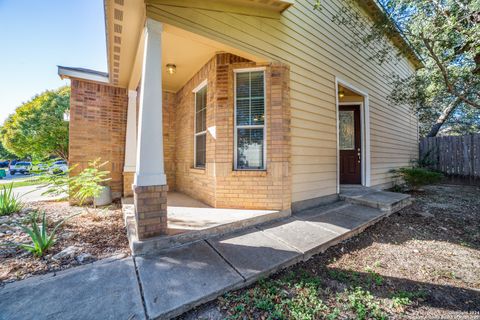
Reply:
x=403, y=299
x=427, y=160
x=9, y=201
x=363, y=304
x=42, y=240
x=83, y=187
x=57, y=183
x=416, y=177
x=88, y=184
x=373, y=277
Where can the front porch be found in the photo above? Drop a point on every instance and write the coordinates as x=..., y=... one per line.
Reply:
x=224, y=116
x=190, y=220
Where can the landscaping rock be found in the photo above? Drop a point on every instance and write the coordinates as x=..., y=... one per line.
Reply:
x=425, y=214
x=67, y=235
x=68, y=252
x=84, y=258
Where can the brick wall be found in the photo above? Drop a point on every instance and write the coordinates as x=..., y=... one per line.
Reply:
x=219, y=185
x=270, y=189
x=98, y=118
x=198, y=183
x=169, y=134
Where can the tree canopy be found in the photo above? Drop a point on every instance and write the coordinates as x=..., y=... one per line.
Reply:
x=4, y=154
x=37, y=129
x=445, y=34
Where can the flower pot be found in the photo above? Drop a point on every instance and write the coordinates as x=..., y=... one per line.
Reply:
x=104, y=198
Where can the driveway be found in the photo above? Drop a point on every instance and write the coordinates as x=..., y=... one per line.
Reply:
x=34, y=193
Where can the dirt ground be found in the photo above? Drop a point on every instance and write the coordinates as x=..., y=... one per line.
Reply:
x=96, y=234
x=420, y=263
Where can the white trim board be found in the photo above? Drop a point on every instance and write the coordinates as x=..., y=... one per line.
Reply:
x=203, y=84
x=364, y=130
x=65, y=72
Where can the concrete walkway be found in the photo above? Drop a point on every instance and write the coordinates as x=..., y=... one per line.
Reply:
x=170, y=283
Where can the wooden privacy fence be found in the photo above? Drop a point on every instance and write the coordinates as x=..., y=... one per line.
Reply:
x=452, y=155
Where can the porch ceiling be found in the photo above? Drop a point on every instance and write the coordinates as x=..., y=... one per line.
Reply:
x=124, y=24
x=189, y=52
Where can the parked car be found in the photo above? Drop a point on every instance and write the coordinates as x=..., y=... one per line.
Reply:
x=59, y=166
x=4, y=164
x=41, y=167
x=22, y=167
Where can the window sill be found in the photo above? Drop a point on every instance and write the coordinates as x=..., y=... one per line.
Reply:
x=198, y=170
x=249, y=173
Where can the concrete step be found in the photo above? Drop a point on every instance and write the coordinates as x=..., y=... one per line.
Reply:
x=386, y=201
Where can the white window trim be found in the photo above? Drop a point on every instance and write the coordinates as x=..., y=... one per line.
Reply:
x=235, y=127
x=202, y=85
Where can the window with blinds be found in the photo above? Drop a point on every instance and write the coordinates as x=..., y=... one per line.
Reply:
x=200, y=132
x=250, y=120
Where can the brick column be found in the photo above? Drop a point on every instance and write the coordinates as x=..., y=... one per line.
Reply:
x=150, y=210
x=150, y=185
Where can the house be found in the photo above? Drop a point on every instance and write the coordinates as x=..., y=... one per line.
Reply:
x=247, y=104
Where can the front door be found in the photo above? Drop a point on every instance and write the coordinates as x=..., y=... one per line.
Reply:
x=350, y=144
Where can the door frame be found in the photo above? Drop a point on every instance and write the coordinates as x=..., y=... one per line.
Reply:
x=364, y=131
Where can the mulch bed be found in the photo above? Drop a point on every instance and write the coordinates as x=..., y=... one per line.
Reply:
x=420, y=263
x=94, y=234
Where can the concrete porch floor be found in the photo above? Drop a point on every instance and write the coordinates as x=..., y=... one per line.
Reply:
x=190, y=220
x=186, y=213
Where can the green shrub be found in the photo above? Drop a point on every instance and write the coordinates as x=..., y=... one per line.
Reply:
x=83, y=187
x=88, y=184
x=42, y=240
x=416, y=177
x=9, y=202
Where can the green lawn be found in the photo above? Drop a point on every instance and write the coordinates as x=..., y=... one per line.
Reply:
x=21, y=183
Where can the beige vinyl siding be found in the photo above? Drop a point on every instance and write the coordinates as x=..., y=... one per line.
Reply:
x=317, y=51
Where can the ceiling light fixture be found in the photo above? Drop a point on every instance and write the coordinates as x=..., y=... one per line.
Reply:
x=341, y=93
x=171, y=68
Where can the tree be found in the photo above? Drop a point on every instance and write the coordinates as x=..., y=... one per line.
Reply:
x=37, y=128
x=445, y=34
x=463, y=121
x=4, y=154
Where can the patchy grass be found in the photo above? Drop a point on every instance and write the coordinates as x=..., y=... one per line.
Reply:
x=421, y=262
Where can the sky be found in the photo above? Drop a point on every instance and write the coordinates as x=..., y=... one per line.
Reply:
x=38, y=35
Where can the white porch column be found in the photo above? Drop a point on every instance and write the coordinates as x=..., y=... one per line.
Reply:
x=131, y=134
x=149, y=164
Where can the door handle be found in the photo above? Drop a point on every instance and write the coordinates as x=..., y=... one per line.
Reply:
x=359, y=154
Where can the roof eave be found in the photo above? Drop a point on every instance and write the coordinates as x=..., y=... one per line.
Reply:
x=84, y=74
